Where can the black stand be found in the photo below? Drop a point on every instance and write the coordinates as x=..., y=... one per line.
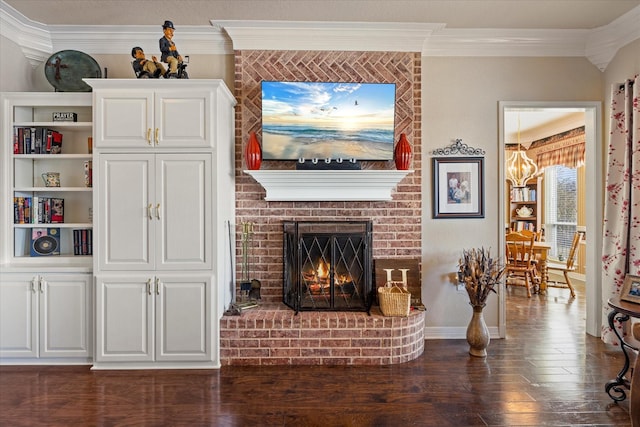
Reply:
x=616, y=387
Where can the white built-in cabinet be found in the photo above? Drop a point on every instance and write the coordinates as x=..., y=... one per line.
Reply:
x=163, y=118
x=167, y=318
x=45, y=298
x=161, y=212
x=165, y=201
x=45, y=318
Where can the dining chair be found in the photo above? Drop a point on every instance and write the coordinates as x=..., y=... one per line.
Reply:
x=566, y=267
x=536, y=234
x=519, y=262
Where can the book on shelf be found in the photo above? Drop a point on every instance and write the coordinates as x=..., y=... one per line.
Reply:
x=38, y=210
x=83, y=241
x=524, y=225
x=56, y=142
x=57, y=210
x=88, y=173
x=22, y=210
x=523, y=194
x=36, y=140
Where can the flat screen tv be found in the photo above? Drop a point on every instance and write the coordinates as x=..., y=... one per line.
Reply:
x=327, y=120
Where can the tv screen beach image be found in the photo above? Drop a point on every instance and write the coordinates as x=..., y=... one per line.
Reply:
x=327, y=120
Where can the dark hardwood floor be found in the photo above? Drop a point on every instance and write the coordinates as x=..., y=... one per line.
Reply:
x=546, y=372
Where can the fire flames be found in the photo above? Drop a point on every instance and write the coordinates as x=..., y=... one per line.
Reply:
x=318, y=280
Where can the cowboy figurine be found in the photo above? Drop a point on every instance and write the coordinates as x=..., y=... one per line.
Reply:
x=142, y=65
x=170, y=54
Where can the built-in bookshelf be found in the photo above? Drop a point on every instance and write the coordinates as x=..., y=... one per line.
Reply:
x=525, y=207
x=48, y=169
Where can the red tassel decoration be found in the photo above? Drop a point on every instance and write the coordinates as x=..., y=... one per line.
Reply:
x=253, y=152
x=402, y=154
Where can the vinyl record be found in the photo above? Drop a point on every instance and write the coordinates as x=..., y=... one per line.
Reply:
x=45, y=245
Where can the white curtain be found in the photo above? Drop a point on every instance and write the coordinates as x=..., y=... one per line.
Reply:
x=621, y=231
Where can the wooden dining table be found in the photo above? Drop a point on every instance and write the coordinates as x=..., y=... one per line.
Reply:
x=541, y=250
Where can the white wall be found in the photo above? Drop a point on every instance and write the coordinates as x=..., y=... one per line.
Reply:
x=16, y=73
x=625, y=65
x=460, y=100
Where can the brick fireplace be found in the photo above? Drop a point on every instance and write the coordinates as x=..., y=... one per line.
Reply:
x=396, y=223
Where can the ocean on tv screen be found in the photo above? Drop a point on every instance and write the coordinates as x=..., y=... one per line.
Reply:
x=327, y=120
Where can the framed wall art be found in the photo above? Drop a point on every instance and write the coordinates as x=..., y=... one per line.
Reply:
x=458, y=187
x=631, y=289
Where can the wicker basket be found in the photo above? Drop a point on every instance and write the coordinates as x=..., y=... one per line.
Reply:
x=394, y=301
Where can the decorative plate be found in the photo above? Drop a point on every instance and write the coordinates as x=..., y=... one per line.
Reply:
x=66, y=69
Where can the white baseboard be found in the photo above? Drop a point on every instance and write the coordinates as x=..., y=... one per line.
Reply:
x=454, y=333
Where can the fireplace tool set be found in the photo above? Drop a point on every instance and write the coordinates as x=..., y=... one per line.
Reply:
x=249, y=288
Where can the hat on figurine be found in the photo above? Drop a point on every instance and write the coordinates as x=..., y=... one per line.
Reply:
x=168, y=24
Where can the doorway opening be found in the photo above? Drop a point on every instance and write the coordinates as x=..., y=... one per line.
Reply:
x=542, y=118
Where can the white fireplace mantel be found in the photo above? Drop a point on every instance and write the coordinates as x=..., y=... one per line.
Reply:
x=328, y=185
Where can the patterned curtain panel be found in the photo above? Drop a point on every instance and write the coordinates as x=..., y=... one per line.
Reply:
x=570, y=157
x=621, y=231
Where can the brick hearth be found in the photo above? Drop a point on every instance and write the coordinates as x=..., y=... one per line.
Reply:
x=275, y=335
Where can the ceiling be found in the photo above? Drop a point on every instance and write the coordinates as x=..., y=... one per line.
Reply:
x=542, y=14
x=526, y=125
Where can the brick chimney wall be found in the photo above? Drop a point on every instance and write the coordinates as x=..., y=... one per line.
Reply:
x=396, y=223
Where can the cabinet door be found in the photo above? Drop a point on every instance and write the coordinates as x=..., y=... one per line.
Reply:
x=124, y=119
x=124, y=318
x=182, y=119
x=64, y=315
x=18, y=316
x=183, y=318
x=125, y=211
x=183, y=203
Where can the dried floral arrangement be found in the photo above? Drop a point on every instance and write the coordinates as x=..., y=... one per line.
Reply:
x=480, y=274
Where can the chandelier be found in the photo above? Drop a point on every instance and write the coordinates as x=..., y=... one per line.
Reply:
x=520, y=168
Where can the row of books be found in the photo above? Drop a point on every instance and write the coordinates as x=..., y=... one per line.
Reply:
x=83, y=241
x=524, y=225
x=38, y=210
x=523, y=194
x=36, y=140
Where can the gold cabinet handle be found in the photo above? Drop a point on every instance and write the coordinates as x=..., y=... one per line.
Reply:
x=149, y=136
x=157, y=133
x=158, y=211
x=149, y=286
x=149, y=214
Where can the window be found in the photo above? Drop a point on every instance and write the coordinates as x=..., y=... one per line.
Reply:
x=560, y=209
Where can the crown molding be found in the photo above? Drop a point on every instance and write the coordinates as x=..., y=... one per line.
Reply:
x=119, y=39
x=506, y=42
x=342, y=36
x=599, y=45
x=33, y=38
x=603, y=42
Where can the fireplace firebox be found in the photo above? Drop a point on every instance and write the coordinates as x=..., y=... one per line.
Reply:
x=328, y=265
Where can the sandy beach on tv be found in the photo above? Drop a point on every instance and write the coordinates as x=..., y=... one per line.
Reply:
x=287, y=147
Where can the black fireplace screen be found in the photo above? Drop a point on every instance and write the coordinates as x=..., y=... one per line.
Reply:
x=327, y=265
